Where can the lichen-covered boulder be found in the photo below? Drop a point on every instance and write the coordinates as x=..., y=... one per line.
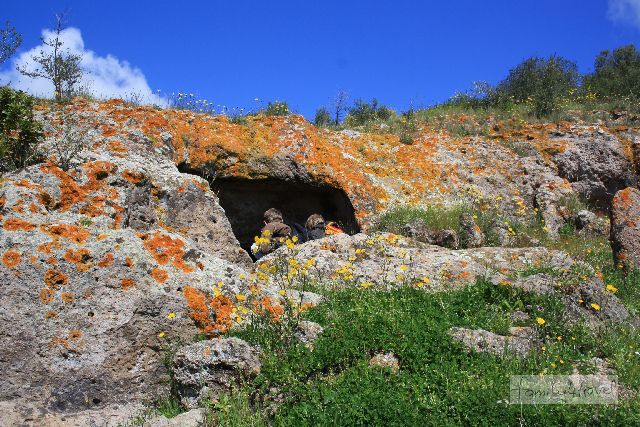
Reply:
x=207, y=368
x=625, y=227
x=596, y=164
x=101, y=266
x=470, y=234
x=388, y=261
x=519, y=342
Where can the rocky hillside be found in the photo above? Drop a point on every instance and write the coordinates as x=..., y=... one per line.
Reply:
x=140, y=246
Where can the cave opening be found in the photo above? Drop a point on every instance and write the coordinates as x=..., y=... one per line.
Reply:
x=245, y=202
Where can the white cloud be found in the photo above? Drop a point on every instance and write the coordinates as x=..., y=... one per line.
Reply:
x=105, y=76
x=625, y=11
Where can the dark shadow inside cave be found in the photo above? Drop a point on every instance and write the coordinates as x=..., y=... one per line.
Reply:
x=245, y=201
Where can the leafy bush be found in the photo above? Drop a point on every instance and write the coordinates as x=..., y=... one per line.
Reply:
x=363, y=113
x=70, y=138
x=20, y=134
x=617, y=73
x=322, y=118
x=542, y=81
x=277, y=108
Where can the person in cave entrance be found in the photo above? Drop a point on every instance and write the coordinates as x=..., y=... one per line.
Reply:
x=276, y=232
x=315, y=227
x=273, y=235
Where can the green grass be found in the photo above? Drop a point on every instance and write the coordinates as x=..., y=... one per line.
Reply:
x=438, y=218
x=439, y=382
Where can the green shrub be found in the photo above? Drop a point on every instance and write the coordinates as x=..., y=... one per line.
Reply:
x=20, y=134
x=364, y=113
x=617, y=74
x=542, y=81
x=322, y=118
x=277, y=108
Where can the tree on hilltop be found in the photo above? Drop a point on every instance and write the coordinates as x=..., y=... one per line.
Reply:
x=56, y=64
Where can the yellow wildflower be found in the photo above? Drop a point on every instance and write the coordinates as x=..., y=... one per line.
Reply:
x=540, y=321
x=171, y=315
x=241, y=297
x=612, y=288
x=595, y=306
x=161, y=335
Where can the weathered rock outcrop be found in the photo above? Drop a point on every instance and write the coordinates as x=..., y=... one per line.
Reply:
x=387, y=261
x=596, y=165
x=207, y=368
x=470, y=234
x=436, y=169
x=625, y=227
x=104, y=264
x=100, y=266
x=519, y=342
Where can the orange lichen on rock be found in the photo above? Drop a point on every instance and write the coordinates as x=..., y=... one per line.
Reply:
x=72, y=341
x=11, y=258
x=80, y=258
x=67, y=297
x=107, y=261
x=68, y=231
x=117, y=147
x=212, y=315
x=46, y=296
x=200, y=185
x=127, y=283
x=72, y=193
x=132, y=176
x=54, y=278
x=128, y=262
x=25, y=183
x=163, y=249
x=159, y=275
x=622, y=199
x=16, y=224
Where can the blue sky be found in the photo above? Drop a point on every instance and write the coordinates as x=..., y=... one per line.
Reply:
x=399, y=51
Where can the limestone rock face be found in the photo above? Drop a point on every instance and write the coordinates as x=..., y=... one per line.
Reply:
x=470, y=234
x=387, y=260
x=518, y=343
x=585, y=300
x=418, y=230
x=438, y=168
x=596, y=165
x=625, y=227
x=100, y=265
x=207, y=368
